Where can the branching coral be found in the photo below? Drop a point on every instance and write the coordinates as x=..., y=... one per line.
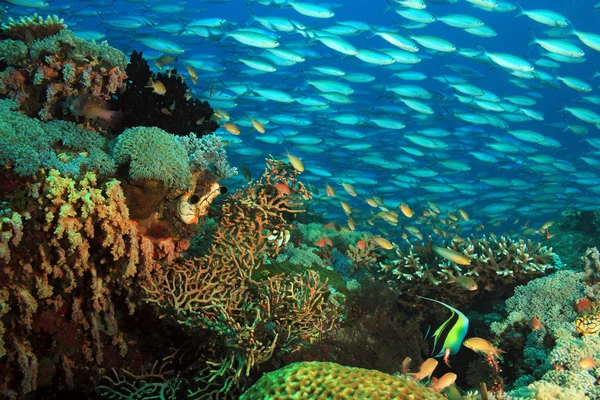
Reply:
x=250, y=320
x=493, y=260
x=27, y=29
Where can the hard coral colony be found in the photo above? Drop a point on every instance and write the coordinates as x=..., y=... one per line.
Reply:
x=127, y=270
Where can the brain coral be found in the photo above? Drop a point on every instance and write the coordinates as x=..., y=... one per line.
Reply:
x=326, y=380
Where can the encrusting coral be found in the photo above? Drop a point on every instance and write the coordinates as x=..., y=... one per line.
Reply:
x=47, y=71
x=27, y=144
x=326, y=380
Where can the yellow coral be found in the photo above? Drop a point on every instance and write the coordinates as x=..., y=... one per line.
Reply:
x=326, y=380
x=588, y=324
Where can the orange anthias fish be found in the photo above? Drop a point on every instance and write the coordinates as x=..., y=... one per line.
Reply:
x=483, y=346
x=535, y=323
x=92, y=107
x=425, y=370
x=360, y=244
x=282, y=188
x=446, y=380
x=157, y=87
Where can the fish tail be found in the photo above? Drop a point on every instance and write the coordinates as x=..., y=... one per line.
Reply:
x=521, y=11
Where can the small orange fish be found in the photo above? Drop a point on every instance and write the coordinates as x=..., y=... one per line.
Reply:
x=157, y=87
x=231, y=128
x=360, y=244
x=406, y=210
x=92, y=107
x=587, y=363
x=425, y=370
x=349, y=189
x=483, y=346
x=445, y=381
x=193, y=74
x=258, y=126
x=282, y=188
x=406, y=365
x=329, y=190
x=535, y=323
x=321, y=243
x=351, y=224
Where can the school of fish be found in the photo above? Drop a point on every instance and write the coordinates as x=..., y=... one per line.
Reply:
x=407, y=117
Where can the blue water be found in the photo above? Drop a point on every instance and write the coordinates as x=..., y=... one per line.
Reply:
x=542, y=190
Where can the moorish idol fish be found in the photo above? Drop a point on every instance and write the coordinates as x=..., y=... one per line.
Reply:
x=450, y=335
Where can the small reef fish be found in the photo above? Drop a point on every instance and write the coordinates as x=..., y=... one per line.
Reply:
x=587, y=363
x=452, y=255
x=535, y=324
x=164, y=60
x=465, y=282
x=483, y=346
x=425, y=370
x=406, y=210
x=450, y=335
x=92, y=107
x=445, y=381
x=157, y=87
x=296, y=162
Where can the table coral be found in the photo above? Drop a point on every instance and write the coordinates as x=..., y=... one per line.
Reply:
x=494, y=260
x=325, y=380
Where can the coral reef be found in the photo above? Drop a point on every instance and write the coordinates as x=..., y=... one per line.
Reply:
x=323, y=380
x=45, y=73
x=27, y=29
x=27, y=144
x=153, y=154
x=549, y=357
x=174, y=111
x=250, y=321
x=493, y=262
x=62, y=268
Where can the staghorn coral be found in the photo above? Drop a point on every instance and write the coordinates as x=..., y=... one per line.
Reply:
x=250, y=321
x=493, y=261
x=27, y=29
x=77, y=252
x=325, y=380
x=44, y=75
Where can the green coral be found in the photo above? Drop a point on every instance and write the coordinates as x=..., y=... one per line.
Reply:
x=28, y=144
x=549, y=298
x=326, y=380
x=79, y=50
x=154, y=154
x=12, y=51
